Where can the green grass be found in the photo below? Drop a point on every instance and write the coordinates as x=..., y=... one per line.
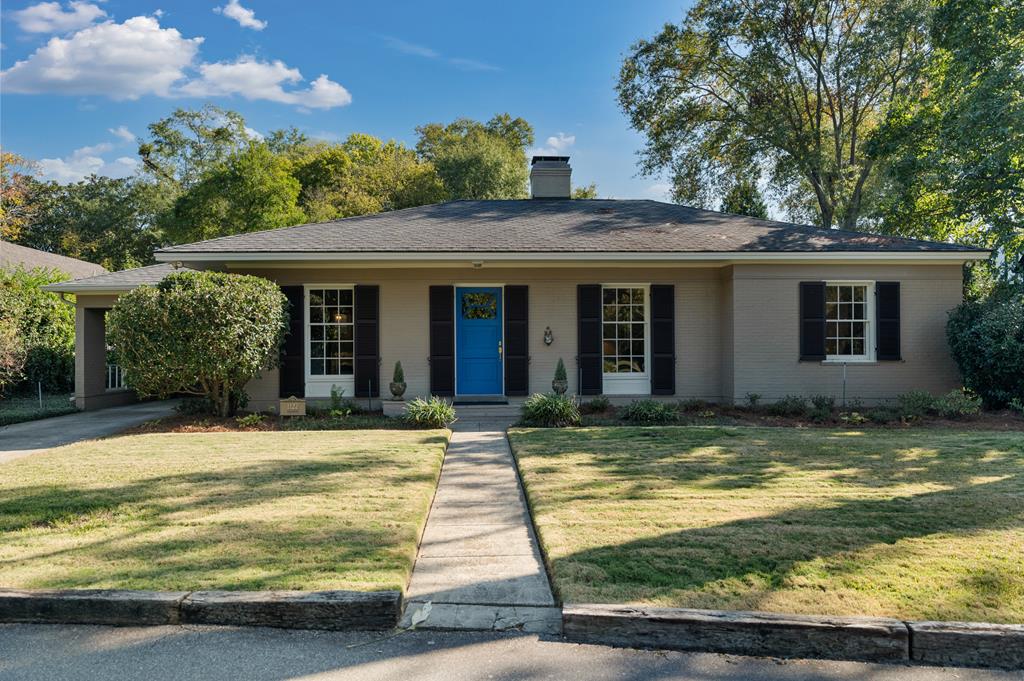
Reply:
x=924, y=524
x=259, y=510
x=19, y=409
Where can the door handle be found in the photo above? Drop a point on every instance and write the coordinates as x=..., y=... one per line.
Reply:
x=499, y=349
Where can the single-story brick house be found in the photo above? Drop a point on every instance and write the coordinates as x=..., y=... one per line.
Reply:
x=479, y=300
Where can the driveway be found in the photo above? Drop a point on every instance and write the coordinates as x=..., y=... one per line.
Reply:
x=23, y=439
x=220, y=653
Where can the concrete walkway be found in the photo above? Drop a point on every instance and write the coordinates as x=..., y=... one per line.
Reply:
x=479, y=565
x=24, y=439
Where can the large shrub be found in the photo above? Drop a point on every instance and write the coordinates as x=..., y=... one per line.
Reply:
x=45, y=327
x=198, y=333
x=12, y=354
x=987, y=341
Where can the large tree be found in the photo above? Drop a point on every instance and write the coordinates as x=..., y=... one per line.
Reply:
x=109, y=221
x=18, y=184
x=185, y=145
x=479, y=160
x=744, y=198
x=791, y=86
x=955, y=155
x=251, y=190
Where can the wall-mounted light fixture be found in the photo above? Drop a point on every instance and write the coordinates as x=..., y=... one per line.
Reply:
x=549, y=337
x=477, y=264
x=177, y=264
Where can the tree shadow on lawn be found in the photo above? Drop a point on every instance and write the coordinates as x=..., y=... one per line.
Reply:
x=639, y=460
x=133, y=521
x=759, y=556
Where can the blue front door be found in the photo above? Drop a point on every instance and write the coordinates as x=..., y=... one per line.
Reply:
x=478, y=341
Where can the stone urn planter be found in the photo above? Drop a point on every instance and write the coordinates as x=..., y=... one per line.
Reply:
x=398, y=382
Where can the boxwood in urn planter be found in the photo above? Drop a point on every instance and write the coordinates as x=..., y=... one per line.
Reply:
x=398, y=382
x=561, y=382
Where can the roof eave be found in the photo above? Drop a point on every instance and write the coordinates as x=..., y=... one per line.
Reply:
x=555, y=256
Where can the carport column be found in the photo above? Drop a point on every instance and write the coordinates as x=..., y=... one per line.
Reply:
x=90, y=356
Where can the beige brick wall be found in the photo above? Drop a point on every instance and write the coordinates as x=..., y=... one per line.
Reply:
x=766, y=308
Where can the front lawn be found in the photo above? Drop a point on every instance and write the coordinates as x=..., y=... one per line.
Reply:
x=925, y=524
x=20, y=409
x=259, y=510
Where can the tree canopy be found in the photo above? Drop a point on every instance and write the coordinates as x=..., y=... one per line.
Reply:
x=792, y=86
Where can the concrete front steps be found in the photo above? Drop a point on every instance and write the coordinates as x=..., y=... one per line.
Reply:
x=494, y=416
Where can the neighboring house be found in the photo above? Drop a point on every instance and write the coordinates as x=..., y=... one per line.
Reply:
x=479, y=300
x=12, y=256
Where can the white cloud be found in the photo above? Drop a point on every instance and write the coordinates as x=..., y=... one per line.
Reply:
x=243, y=15
x=659, y=191
x=404, y=47
x=84, y=162
x=121, y=61
x=49, y=17
x=253, y=134
x=122, y=133
x=139, y=57
x=253, y=79
x=556, y=145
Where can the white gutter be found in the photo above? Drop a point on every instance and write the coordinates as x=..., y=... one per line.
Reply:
x=498, y=256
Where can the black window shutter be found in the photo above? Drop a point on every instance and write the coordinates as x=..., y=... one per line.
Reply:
x=292, y=369
x=442, y=340
x=517, y=340
x=588, y=324
x=887, y=310
x=812, y=320
x=663, y=339
x=367, y=341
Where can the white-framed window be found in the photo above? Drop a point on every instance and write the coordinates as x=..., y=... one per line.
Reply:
x=115, y=377
x=625, y=338
x=849, y=320
x=330, y=338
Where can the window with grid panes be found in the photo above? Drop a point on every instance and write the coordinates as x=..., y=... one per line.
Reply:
x=847, y=323
x=331, y=332
x=624, y=329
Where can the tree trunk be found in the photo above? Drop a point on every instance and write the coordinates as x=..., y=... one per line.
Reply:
x=225, y=400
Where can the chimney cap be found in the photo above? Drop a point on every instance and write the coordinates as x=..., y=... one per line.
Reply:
x=549, y=159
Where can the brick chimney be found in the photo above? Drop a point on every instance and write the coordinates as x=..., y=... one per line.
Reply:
x=550, y=177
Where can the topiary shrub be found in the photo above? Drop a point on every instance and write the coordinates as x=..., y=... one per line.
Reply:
x=649, y=412
x=957, y=404
x=790, y=405
x=914, y=404
x=986, y=339
x=435, y=412
x=198, y=333
x=550, y=411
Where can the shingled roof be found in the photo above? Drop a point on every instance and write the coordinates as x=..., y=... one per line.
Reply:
x=13, y=256
x=115, y=281
x=554, y=226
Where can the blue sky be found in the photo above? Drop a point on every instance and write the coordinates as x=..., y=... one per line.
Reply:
x=82, y=79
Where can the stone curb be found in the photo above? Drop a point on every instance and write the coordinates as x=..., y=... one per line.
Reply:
x=868, y=639
x=334, y=610
x=967, y=644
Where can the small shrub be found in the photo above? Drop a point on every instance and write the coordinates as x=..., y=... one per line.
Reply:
x=193, y=406
x=551, y=411
x=1017, y=405
x=597, y=405
x=914, y=404
x=706, y=414
x=433, y=413
x=822, y=407
x=250, y=421
x=854, y=418
x=957, y=404
x=883, y=414
x=649, y=412
x=790, y=405
x=337, y=398
x=689, y=406
x=753, y=399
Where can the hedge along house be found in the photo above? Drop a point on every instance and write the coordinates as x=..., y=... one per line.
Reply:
x=479, y=300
